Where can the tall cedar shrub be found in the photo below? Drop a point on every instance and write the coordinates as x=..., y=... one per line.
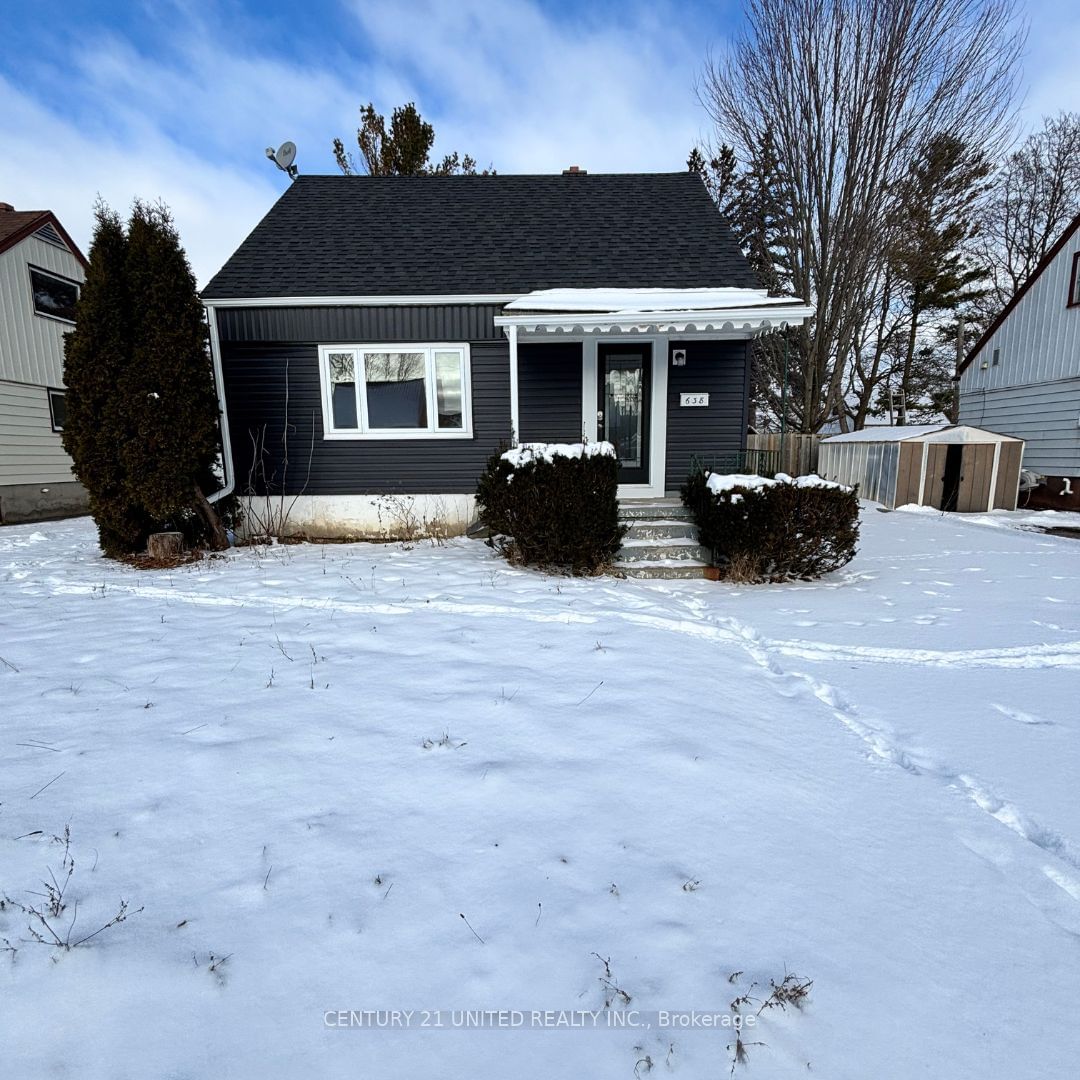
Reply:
x=137, y=366
x=561, y=514
x=776, y=533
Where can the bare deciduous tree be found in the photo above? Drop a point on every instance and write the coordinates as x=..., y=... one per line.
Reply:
x=849, y=92
x=1036, y=195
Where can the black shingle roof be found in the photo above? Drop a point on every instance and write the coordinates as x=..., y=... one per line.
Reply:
x=425, y=235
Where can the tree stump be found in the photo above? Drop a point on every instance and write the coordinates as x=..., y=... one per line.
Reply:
x=164, y=545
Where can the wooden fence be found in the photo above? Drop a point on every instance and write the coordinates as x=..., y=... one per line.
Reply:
x=800, y=452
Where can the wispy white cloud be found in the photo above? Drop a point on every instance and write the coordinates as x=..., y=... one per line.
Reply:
x=517, y=83
x=1051, y=62
x=606, y=89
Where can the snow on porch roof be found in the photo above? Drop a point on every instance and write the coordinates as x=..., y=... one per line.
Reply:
x=602, y=309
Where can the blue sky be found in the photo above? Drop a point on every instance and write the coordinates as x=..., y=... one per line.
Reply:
x=178, y=99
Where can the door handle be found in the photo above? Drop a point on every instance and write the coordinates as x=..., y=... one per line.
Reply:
x=599, y=416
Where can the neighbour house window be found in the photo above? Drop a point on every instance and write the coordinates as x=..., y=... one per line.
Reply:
x=1074, y=282
x=54, y=297
x=57, y=409
x=395, y=391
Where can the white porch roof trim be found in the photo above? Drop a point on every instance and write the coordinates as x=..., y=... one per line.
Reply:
x=677, y=311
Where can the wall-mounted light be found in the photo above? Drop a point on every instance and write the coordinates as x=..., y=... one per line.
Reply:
x=678, y=358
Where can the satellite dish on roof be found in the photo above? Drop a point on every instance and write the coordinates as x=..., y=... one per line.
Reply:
x=283, y=157
x=286, y=155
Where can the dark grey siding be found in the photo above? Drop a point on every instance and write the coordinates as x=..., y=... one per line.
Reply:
x=271, y=373
x=549, y=391
x=360, y=325
x=721, y=370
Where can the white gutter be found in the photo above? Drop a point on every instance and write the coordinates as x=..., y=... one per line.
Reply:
x=223, y=413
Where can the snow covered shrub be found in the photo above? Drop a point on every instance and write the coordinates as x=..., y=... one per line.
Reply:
x=554, y=504
x=773, y=530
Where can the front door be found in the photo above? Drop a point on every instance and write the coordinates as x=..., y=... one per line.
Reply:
x=623, y=399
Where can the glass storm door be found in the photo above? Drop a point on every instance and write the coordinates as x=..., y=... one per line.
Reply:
x=622, y=416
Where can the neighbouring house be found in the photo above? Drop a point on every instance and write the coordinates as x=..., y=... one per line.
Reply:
x=947, y=466
x=1022, y=378
x=41, y=269
x=377, y=338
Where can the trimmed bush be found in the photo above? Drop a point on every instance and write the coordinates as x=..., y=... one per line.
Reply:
x=554, y=505
x=773, y=530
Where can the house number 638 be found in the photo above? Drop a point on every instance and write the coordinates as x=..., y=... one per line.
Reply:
x=693, y=399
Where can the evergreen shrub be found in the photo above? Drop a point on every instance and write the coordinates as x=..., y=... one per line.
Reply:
x=554, y=505
x=773, y=530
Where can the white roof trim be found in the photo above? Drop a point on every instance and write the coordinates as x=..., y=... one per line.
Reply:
x=358, y=301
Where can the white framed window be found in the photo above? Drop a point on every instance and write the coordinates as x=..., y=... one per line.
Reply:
x=408, y=391
x=54, y=297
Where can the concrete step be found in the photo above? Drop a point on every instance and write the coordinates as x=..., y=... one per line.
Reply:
x=647, y=529
x=661, y=550
x=653, y=511
x=660, y=569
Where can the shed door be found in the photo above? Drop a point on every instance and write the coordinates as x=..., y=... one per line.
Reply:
x=976, y=467
x=935, y=474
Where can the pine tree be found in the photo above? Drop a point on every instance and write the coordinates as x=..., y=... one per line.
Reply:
x=937, y=212
x=403, y=150
x=142, y=413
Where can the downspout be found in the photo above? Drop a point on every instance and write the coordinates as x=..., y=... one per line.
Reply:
x=223, y=414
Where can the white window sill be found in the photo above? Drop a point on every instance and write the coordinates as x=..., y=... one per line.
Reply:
x=396, y=434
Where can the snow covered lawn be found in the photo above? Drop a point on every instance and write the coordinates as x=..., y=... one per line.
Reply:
x=314, y=764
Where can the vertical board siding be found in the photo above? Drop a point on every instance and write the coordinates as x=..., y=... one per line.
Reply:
x=1033, y=392
x=549, y=391
x=30, y=451
x=32, y=346
x=360, y=325
x=1045, y=415
x=1039, y=341
x=274, y=396
x=718, y=368
x=270, y=365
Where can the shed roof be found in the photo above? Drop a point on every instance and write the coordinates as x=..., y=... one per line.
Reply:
x=331, y=236
x=944, y=433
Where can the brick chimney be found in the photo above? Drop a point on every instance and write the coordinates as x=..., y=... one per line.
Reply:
x=5, y=206
x=574, y=170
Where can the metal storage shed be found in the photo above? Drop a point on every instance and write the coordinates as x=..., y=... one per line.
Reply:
x=949, y=467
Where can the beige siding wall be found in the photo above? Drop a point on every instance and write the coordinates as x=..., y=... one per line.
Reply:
x=30, y=451
x=31, y=346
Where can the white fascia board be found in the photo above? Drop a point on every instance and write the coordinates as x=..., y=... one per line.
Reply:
x=359, y=301
x=748, y=320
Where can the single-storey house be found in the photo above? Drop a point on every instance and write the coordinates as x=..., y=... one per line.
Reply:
x=41, y=270
x=1022, y=378
x=377, y=338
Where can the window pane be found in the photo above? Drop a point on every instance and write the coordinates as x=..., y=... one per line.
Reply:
x=448, y=389
x=58, y=408
x=53, y=296
x=343, y=389
x=396, y=390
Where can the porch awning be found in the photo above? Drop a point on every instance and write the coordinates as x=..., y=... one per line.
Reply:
x=730, y=311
